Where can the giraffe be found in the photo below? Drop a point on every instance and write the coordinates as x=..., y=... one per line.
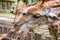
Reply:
x=23, y=20
x=53, y=29
x=36, y=17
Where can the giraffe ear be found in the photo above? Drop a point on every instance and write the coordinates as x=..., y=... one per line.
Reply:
x=24, y=5
x=39, y=3
x=34, y=3
x=18, y=4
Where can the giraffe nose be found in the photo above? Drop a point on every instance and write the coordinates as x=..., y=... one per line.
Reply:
x=15, y=24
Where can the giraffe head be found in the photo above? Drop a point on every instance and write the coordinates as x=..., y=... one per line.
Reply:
x=33, y=11
x=22, y=10
x=19, y=10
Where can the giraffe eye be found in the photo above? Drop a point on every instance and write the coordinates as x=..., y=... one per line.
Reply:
x=36, y=15
x=24, y=13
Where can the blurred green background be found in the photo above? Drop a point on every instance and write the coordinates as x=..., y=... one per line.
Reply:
x=9, y=5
